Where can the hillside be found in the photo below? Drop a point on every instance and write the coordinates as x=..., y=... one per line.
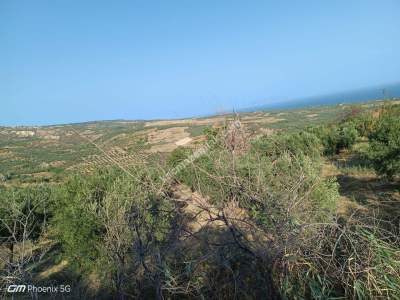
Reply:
x=36, y=154
x=289, y=204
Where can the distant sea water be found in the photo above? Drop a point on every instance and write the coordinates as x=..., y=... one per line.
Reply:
x=363, y=95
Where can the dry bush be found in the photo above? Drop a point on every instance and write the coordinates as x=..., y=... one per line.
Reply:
x=23, y=222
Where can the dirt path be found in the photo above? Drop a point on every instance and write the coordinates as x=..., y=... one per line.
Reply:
x=366, y=193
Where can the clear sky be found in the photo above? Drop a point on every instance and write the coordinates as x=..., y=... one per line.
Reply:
x=74, y=60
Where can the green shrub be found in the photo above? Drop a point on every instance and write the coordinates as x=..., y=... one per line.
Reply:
x=278, y=187
x=297, y=142
x=177, y=156
x=114, y=225
x=75, y=225
x=384, y=141
x=336, y=138
x=347, y=136
x=364, y=124
x=211, y=133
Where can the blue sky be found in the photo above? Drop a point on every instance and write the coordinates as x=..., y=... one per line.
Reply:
x=71, y=61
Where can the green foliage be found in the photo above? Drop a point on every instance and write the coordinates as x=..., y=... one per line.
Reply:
x=296, y=142
x=347, y=135
x=291, y=168
x=113, y=224
x=327, y=138
x=177, y=156
x=336, y=138
x=364, y=124
x=278, y=187
x=75, y=225
x=211, y=133
x=267, y=179
x=384, y=150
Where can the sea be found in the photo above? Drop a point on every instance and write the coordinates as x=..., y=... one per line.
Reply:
x=386, y=92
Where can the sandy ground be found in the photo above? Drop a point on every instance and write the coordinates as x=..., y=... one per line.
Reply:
x=312, y=115
x=198, y=207
x=183, y=141
x=189, y=122
x=166, y=140
x=267, y=120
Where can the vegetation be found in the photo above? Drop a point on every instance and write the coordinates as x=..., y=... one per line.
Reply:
x=24, y=215
x=336, y=138
x=247, y=217
x=116, y=228
x=384, y=150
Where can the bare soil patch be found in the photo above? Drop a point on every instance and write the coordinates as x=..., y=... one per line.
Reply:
x=267, y=120
x=188, y=122
x=312, y=115
x=166, y=140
